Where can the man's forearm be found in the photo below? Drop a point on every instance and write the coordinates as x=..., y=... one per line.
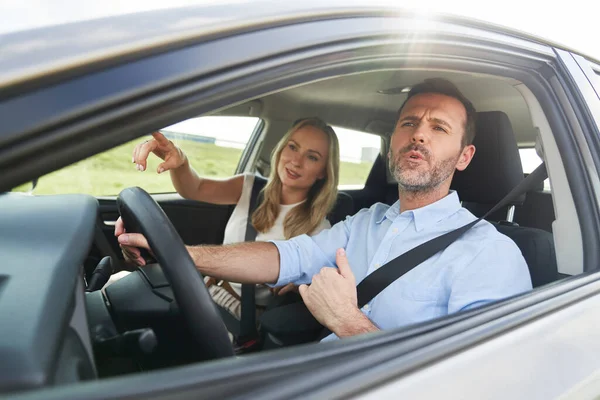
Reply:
x=356, y=323
x=256, y=262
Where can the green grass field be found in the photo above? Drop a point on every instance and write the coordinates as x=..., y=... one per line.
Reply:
x=108, y=173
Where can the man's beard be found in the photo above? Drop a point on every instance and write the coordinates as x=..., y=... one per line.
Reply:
x=411, y=179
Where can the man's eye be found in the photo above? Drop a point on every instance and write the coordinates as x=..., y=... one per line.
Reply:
x=408, y=124
x=439, y=128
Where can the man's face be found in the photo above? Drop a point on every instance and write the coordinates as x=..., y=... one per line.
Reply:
x=426, y=146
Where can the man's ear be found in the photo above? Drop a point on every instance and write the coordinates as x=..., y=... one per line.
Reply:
x=465, y=157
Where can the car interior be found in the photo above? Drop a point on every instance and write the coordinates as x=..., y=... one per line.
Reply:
x=365, y=102
x=369, y=103
x=135, y=325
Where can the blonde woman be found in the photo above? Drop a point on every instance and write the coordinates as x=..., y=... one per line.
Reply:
x=300, y=192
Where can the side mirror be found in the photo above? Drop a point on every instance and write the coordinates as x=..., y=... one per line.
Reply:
x=27, y=188
x=34, y=184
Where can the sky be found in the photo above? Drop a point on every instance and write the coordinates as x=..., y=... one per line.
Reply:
x=572, y=23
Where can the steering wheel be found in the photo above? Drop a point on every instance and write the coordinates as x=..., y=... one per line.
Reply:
x=141, y=214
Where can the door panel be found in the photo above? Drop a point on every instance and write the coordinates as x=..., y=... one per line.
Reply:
x=197, y=223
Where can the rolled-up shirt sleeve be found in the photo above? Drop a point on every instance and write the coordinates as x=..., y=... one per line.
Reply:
x=301, y=257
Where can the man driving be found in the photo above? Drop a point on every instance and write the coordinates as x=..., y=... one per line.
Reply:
x=432, y=138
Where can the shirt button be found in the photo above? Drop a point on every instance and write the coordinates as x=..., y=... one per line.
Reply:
x=395, y=230
x=366, y=307
x=377, y=265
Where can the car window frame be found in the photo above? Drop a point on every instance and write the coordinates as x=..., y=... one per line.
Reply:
x=251, y=147
x=592, y=70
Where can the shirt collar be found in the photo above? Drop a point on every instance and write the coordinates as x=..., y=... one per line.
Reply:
x=428, y=215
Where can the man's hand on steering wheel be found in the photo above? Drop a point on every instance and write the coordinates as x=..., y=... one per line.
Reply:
x=130, y=244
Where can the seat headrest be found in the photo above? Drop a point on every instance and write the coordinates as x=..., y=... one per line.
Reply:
x=496, y=167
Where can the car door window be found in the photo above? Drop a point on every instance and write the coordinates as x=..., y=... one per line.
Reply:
x=530, y=161
x=358, y=151
x=212, y=144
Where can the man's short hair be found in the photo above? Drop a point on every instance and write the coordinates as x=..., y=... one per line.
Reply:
x=447, y=88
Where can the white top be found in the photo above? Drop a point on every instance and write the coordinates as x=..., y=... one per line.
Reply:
x=235, y=231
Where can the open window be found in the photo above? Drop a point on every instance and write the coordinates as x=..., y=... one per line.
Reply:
x=213, y=144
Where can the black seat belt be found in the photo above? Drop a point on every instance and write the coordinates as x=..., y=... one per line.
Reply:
x=377, y=281
x=248, y=308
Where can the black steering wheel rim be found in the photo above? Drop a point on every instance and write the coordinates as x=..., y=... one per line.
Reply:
x=141, y=213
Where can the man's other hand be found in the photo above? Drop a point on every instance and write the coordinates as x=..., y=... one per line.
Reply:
x=331, y=297
x=130, y=244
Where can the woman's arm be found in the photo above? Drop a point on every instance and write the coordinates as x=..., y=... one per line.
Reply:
x=185, y=180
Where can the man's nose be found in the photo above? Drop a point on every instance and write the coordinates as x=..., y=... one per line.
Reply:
x=419, y=135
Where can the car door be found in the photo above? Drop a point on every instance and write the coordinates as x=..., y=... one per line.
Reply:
x=458, y=348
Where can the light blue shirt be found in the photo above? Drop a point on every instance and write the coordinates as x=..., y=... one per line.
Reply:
x=481, y=266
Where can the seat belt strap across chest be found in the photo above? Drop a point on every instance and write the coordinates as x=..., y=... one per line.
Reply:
x=248, y=307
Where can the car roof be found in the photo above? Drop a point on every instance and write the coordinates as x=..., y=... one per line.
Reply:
x=38, y=52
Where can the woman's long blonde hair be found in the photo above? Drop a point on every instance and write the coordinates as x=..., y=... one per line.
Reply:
x=305, y=217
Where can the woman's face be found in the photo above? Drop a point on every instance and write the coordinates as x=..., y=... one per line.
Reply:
x=304, y=158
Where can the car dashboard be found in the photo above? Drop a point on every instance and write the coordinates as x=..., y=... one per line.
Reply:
x=44, y=334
